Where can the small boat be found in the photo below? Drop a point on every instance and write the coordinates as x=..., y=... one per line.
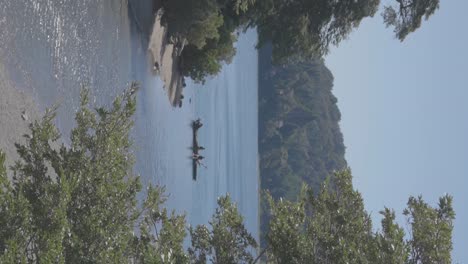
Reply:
x=195, y=147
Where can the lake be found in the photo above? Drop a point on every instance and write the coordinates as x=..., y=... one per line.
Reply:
x=53, y=48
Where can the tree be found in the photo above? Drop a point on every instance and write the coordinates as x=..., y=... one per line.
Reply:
x=406, y=17
x=298, y=30
x=431, y=230
x=228, y=241
x=301, y=29
x=195, y=21
x=392, y=247
x=210, y=28
x=198, y=63
x=341, y=228
x=332, y=226
x=162, y=233
x=77, y=203
x=235, y=7
x=286, y=239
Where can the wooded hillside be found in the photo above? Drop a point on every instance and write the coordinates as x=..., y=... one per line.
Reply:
x=299, y=134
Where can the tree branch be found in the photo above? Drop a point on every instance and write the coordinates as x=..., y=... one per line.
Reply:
x=260, y=255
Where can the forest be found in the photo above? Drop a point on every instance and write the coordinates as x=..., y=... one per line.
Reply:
x=299, y=133
x=300, y=140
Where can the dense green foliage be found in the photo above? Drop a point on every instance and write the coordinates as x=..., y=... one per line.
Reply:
x=331, y=226
x=304, y=29
x=300, y=140
x=299, y=30
x=431, y=228
x=196, y=21
x=78, y=203
x=209, y=28
x=406, y=17
x=299, y=134
x=228, y=242
x=197, y=63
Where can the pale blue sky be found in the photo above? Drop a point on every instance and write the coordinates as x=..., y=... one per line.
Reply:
x=405, y=113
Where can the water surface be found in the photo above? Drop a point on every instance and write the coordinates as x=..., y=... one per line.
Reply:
x=52, y=48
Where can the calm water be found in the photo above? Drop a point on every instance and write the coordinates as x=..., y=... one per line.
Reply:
x=52, y=48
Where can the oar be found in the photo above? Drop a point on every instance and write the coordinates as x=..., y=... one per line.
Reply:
x=201, y=164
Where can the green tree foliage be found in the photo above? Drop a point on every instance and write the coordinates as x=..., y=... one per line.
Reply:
x=342, y=228
x=407, y=15
x=431, y=228
x=228, y=241
x=332, y=226
x=77, y=203
x=299, y=30
x=286, y=239
x=195, y=21
x=300, y=140
x=235, y=7
x=210, y=28
x=300, y=137
x=303, y=29
x=390, y=241
x=161, y=233
x=199, y=63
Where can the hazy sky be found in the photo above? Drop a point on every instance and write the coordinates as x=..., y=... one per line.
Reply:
x=405, y=113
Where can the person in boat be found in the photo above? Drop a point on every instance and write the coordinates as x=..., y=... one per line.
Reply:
x=197, y=148
x=156, y=67
x=197, y=124
x=197, y=156
x=198, y=160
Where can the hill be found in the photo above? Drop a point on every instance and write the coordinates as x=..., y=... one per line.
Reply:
x=299, y=134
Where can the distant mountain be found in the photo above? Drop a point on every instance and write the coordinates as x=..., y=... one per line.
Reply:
x=299, y=134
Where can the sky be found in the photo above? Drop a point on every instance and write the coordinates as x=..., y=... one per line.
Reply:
x=405, y=114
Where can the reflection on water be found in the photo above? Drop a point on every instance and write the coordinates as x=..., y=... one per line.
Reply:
x=53, y=47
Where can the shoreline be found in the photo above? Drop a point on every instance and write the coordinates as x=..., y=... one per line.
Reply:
x=18, y=107
x=17, y=110
x=163, y=54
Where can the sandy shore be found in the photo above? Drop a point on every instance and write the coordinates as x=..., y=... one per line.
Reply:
x=17, y=111
x=162, y=53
